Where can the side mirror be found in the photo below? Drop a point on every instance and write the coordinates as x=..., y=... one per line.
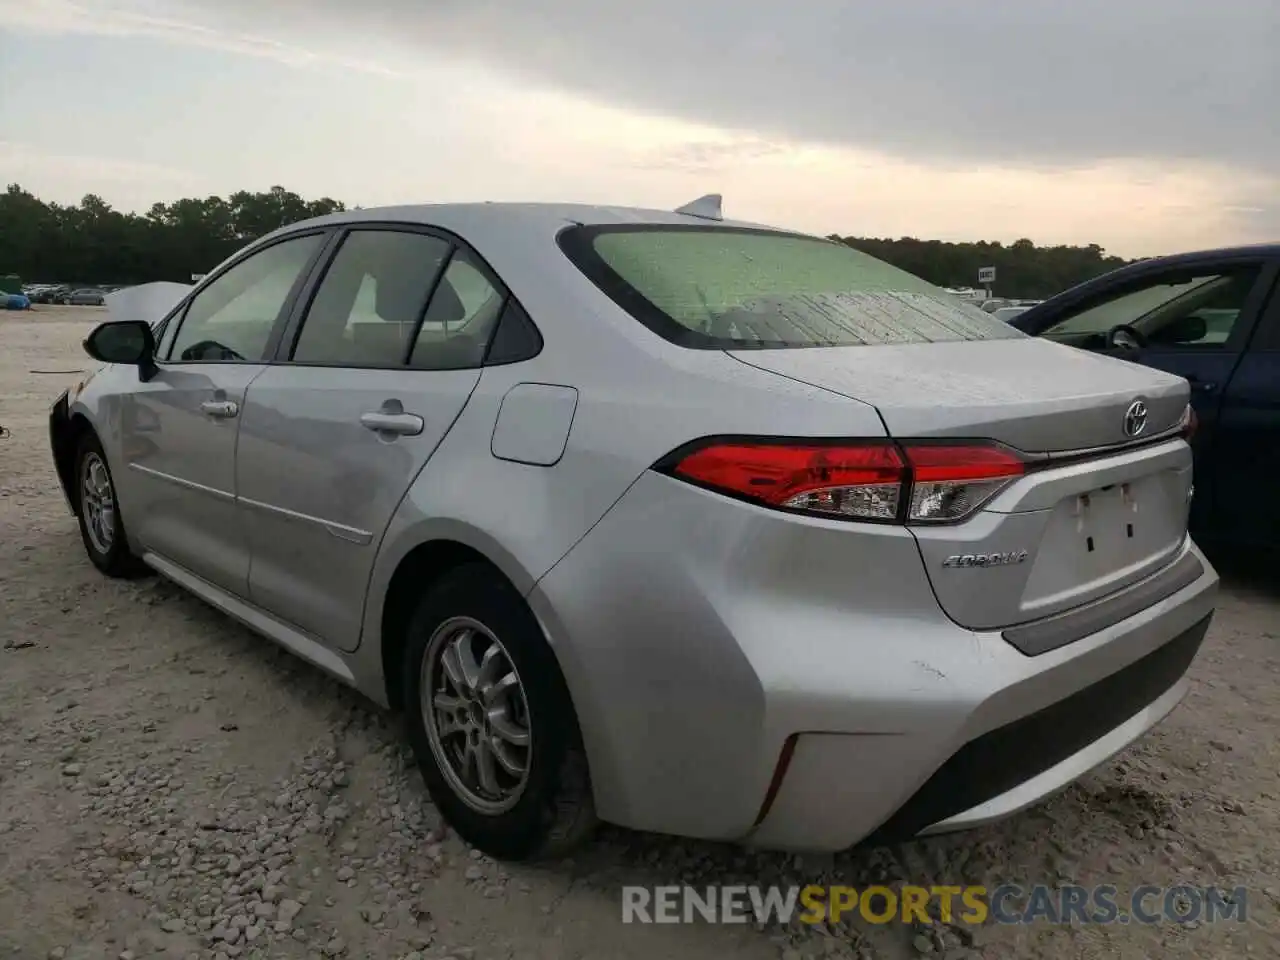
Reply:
x=1189, y=329
x=129, y=342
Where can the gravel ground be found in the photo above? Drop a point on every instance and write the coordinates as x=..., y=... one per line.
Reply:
x=172, y=785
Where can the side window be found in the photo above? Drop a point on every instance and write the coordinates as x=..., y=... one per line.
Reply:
x=370, y=300
x=460, y=318
x=164, y=334
x=169, y=330
x=230, y=320
x=1178, y=311
x=515, y=339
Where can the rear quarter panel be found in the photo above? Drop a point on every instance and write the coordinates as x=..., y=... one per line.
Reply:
x=639, y=397
x=525, y=517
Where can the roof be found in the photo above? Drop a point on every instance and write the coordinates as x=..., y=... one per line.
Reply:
x=547, y=218
x=1192, y=257
x=1102, y=286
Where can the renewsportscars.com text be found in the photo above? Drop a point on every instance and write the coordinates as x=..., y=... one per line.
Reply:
x=976, y=905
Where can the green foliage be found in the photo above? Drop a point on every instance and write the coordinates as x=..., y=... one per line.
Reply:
x=92, y=243
x=1023, y=270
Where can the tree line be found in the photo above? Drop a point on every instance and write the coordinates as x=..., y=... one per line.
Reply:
x=92, y=243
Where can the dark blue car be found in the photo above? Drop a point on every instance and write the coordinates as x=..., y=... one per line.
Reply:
x=1212, y=317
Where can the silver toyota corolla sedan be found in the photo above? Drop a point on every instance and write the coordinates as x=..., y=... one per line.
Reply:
x=689, y=525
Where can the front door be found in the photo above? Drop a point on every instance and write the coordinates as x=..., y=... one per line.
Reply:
x=180, y=428
x=368, y=384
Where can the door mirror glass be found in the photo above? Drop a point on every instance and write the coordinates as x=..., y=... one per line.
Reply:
x=122, y=341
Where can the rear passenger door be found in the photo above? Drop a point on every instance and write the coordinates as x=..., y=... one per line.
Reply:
x=369, y=377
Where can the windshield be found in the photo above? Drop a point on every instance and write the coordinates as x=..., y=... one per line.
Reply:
x=735, y=288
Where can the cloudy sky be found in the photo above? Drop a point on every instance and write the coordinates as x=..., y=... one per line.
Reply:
x=1144, y=125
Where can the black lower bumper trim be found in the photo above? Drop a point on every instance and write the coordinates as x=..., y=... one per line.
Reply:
x=1000, y=760
x=61, y=442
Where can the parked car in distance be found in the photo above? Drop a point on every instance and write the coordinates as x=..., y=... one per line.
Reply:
x=1212, y=317
x=694, y=526
x=47, y=293
x=1006, y=314
x=15, y=301
x=85, y=297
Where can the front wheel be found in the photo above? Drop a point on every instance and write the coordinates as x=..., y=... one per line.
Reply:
x=101, y=526
x=490, y=721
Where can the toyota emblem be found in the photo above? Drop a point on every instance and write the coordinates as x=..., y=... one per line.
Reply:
x=1135, y=419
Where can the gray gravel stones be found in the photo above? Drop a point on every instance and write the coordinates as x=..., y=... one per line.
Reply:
x=223, y=876
x=228, y=878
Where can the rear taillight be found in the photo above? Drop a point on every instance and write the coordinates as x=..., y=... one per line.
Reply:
x=862, y=481
x=1189, y=422
x=879, y=481
x=950, y=482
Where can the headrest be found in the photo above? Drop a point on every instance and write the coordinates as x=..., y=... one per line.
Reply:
x=399, y=298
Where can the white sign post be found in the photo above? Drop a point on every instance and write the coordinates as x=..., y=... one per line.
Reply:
x=986, y=277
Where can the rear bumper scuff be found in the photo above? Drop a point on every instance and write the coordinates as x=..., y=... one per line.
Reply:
x=1004, y=759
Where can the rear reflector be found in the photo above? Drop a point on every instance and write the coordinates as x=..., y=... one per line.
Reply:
x=779, y=772
x=878, y=480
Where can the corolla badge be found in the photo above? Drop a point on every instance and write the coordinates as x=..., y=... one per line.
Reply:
x=1005, y=559
x=1135, y=419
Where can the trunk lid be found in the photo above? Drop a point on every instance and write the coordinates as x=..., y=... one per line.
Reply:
x=1034, y=395
x=1070, y=530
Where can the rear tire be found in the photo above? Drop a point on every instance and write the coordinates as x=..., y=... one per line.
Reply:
x=101, y=525
x=492, y=684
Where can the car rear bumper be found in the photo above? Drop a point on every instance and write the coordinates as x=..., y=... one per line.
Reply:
x=1021, y=762
x=1030, y=788
x=742, y=674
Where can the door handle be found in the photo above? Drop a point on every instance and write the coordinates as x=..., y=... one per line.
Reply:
x=220, y=409
x=396, y=424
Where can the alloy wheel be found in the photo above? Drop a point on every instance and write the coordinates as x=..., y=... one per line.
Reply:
x=476, y=715
x=98, y=502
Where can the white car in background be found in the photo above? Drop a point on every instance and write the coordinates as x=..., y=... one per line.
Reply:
x=1005, y=314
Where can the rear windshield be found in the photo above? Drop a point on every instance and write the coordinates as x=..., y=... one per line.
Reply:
x=736, y=288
